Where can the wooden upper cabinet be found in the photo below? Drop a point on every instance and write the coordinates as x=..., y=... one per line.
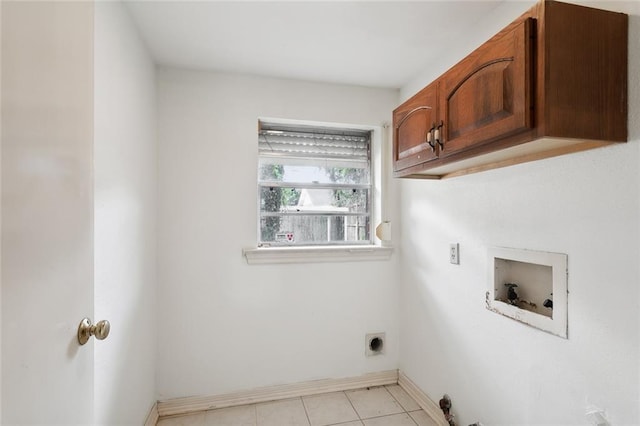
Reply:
x=552, y=82
x=583, y=59
x=412, y=122
x=488, y=94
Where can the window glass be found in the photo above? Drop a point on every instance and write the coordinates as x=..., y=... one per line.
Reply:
x=314, y=186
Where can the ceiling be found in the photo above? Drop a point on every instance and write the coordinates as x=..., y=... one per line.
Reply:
x=368, y=43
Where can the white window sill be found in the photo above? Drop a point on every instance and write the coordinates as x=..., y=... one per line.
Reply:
x=257, y=256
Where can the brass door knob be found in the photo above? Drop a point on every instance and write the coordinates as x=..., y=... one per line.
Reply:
x=86, y=330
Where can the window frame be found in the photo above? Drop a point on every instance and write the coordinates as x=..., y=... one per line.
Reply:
x=372, y=250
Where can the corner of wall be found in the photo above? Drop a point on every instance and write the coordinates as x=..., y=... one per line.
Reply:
x=125, y=186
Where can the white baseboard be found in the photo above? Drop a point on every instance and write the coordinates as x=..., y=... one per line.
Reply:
x=273, y=393
x=430, y=407
x=153, y=416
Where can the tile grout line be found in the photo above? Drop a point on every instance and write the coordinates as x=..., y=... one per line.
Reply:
x=255, y=411
x=404, y=410
x=305, y=410
x=400, y=404
x=353, y=406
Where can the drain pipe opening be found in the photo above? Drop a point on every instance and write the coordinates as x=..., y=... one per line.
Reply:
x=376, y=344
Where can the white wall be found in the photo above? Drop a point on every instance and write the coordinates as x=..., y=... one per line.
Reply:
x=586, y=205
x=125, y=161
x=227, y=325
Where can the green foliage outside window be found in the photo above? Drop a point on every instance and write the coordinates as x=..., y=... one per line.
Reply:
x=272, y=201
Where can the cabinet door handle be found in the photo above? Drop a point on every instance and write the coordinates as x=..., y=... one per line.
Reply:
x=430, y=137
x=438, y=133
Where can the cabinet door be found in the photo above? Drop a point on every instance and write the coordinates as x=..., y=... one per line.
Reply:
x=411, y=122
x=488, y=95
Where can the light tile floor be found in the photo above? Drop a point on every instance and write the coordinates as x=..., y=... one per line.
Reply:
x=376, y=406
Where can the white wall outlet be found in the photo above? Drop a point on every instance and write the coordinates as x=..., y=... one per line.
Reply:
x=454, y=253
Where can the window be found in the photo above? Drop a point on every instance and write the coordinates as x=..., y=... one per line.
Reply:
x=314, y=186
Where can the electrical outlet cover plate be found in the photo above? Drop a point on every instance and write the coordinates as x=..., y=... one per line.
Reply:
x=374, y=344
x=454, y=253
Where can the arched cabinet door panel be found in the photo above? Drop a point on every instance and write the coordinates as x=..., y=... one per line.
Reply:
x=412, y=122
x=489, y=94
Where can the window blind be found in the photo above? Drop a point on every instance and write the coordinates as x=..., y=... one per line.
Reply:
x=316, y=144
